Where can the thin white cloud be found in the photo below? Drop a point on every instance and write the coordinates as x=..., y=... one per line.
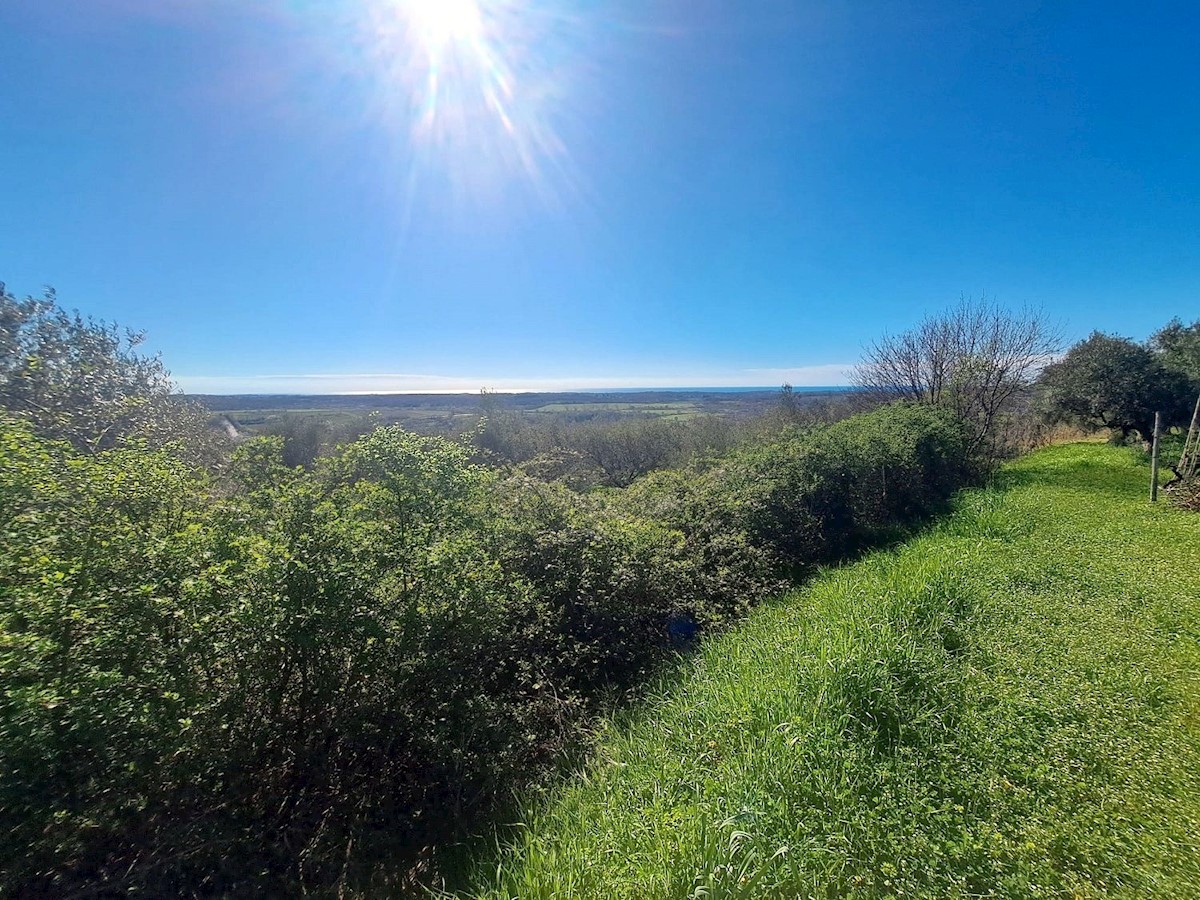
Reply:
x=401, y=383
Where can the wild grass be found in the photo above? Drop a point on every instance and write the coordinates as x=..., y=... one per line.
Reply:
x=1006, y=706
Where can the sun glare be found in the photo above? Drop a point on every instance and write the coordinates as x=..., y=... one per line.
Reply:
x=440, y=23
x=478, y=85
x=459, y=64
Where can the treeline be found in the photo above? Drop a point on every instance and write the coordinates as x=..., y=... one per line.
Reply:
x=583, y=448
x=614, y=450
x=1003, y=376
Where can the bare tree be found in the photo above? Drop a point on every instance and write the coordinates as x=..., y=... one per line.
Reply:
x=975, y=359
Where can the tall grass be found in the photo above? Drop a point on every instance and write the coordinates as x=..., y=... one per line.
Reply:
x=1007, y=706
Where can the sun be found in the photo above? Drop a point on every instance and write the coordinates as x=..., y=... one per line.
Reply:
x=476, y=90
x=438, y=26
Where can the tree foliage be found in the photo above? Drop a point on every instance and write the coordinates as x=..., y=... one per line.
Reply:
x=1178, y=347
x=84, y=382
x=307, y=437
x=1116, y=383
x=976, y=360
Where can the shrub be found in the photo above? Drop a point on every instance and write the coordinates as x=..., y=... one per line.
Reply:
x=83, y=381
x=809, y=497
x=309, y=674
x=103, y=649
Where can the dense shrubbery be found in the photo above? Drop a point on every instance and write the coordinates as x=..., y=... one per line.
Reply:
x=809, y=496
x=255, y=677
x=283, y=676
x=613, y=449
x=977, y=714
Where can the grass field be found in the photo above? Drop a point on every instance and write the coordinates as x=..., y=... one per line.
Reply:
x=1005, y=706
x=657, y=410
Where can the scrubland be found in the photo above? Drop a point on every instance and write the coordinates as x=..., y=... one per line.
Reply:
x=1007, y=705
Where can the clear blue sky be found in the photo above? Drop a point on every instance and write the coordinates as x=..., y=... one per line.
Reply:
x=552, y=193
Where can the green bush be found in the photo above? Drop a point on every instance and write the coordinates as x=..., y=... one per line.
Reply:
x=297, y=677
x=102, y=645
x=808, y=497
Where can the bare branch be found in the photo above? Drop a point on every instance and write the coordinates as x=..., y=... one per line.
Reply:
x=975, y=359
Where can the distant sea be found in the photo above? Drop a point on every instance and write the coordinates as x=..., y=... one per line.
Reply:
x=831, y=389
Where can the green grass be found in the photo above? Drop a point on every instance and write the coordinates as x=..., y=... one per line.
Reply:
x=634, y=408
x=1007, y=705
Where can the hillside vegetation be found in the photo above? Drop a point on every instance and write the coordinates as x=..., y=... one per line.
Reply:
x=1006, y=706
x=270, y=678
x=223, y=673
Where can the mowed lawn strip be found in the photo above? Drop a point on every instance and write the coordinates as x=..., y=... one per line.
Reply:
x=1008, y=705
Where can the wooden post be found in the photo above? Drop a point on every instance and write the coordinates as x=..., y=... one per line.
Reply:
x=1154, y=458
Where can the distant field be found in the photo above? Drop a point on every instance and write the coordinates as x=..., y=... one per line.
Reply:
x=455, y=412
x=252, y=418
x=649, y=409
x=679, y=411
x=1006, y=706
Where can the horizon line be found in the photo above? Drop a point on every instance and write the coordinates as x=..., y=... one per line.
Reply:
x=454, y=392
x=820, y=376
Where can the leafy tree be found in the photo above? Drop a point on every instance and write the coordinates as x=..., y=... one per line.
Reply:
x=84, y=382
x=787, y=410
x=1117, y=383
x=502, y=430
x=308, y=437
x=1178, y=346
x=787, y=399
x=975, y=359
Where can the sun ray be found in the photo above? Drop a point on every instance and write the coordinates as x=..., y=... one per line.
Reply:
x=476, y=86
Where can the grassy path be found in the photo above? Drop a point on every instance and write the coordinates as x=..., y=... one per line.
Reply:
x=1006, y=706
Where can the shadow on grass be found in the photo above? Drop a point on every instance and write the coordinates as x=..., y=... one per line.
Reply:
x=459, y=866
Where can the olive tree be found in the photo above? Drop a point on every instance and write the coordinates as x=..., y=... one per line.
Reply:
x=1115, y=383
x=976, y=359
x=1178, y=347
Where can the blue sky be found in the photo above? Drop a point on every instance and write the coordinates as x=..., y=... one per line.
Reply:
x=661, y=192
